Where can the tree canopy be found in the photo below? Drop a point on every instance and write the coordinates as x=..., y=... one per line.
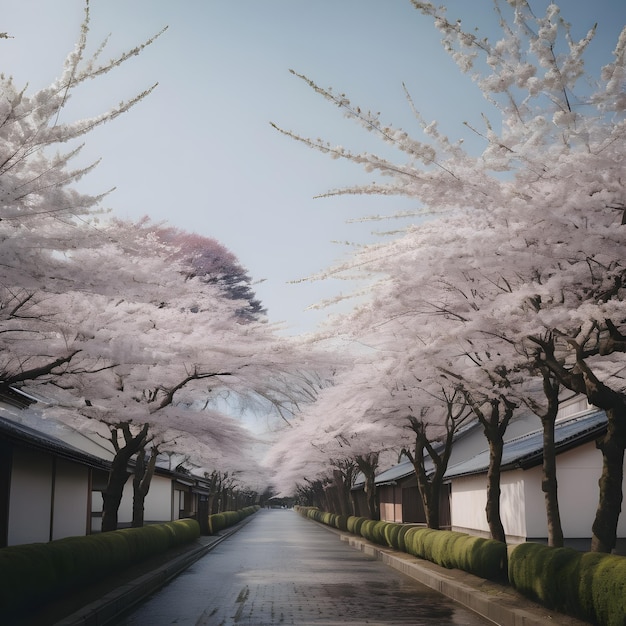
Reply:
x=513, y=270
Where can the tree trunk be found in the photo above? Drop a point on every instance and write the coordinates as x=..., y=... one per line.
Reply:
x=368, y=465
x=141, y=484
x=342, y=493
x=431, y=504
x=429, y=490
x=494, y=426
x=612, y=445
x=549, y=483
x=343, y=479
x=549, y=486
x=494, y=520
x=112, y=496
x=118, y=475
x=583, y=380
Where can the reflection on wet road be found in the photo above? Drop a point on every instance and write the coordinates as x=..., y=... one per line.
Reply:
x=283, y=569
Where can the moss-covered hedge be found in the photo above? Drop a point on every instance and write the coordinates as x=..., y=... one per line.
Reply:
x=33, y=574
x=483, y=557
x=220, y=521
x=585, y=584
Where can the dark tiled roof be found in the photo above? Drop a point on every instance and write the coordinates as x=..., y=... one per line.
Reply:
x=527, y=451
x=400, y=471
x=32, y=438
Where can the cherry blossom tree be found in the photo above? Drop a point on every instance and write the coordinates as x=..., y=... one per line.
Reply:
x=548, y=184
x=163, y=353
x=42, y=215
x=130, y=331
x=210, y=260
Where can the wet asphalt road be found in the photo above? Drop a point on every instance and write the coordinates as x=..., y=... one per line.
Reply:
x=283, y=569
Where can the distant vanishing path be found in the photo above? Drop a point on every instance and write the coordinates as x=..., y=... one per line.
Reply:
x=284, y=569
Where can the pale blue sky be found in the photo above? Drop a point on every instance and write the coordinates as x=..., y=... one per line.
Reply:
x=200, y=152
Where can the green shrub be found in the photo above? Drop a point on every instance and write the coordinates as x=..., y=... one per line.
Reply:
x=354, y=524
x=537, y=571
x=589, y=563
x=27, y=577
x=379, y=533
x=466, y=550
x=443, y=548
x=609, y=591
x=33, y=574
x=490, y=560
x=183, y=531
x=367, y=529
x=401, y=537
x=421, y=544
x=409, y=537
x=392, y=532
x=217, y=522
x=589, y=585
x=112, y=551
x=220, y=521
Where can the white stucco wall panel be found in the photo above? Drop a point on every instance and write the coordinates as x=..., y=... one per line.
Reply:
x=512, y=503
x=467, y=503
x=125, y=512
x=522, y=501
x=71, y=500
x=30, y=498
x=536, y=521
x=158, y=504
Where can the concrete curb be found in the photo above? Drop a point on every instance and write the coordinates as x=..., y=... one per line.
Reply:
x=498, y=603
x=112, y=605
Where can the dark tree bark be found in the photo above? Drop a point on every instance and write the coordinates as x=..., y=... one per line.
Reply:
x=368, y=464
x=494, y=425
x=343, y=477
x=429, y=487
x=549, y=483
x=119, y=474
x=492, y=508
x=612, y=445
x=317, y=494
x=144, y=471
x=581, y=379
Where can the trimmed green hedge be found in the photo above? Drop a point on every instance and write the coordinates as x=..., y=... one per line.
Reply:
x=589, y=585
x=220, y=521
x=584, y=584
x=483, y=557
x=33, y=574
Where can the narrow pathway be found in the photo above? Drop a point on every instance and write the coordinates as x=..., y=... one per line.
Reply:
x=283, y=569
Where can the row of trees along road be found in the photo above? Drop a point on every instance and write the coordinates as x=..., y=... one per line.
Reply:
x=147, y=336
x=509, y=289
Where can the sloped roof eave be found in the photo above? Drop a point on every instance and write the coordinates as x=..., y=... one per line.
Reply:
x=30, y=438
x=533, y=458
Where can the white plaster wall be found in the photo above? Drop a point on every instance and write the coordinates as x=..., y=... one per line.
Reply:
x=97, y=504
x=512, y=503
x=178, y=502
x=467, y=503
x=158, y=504
x=30, y=498
x=522, y=502
x=536, y=523
x=125, y=512
x=578, y=472
x=469, y=498
x=71, y=500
